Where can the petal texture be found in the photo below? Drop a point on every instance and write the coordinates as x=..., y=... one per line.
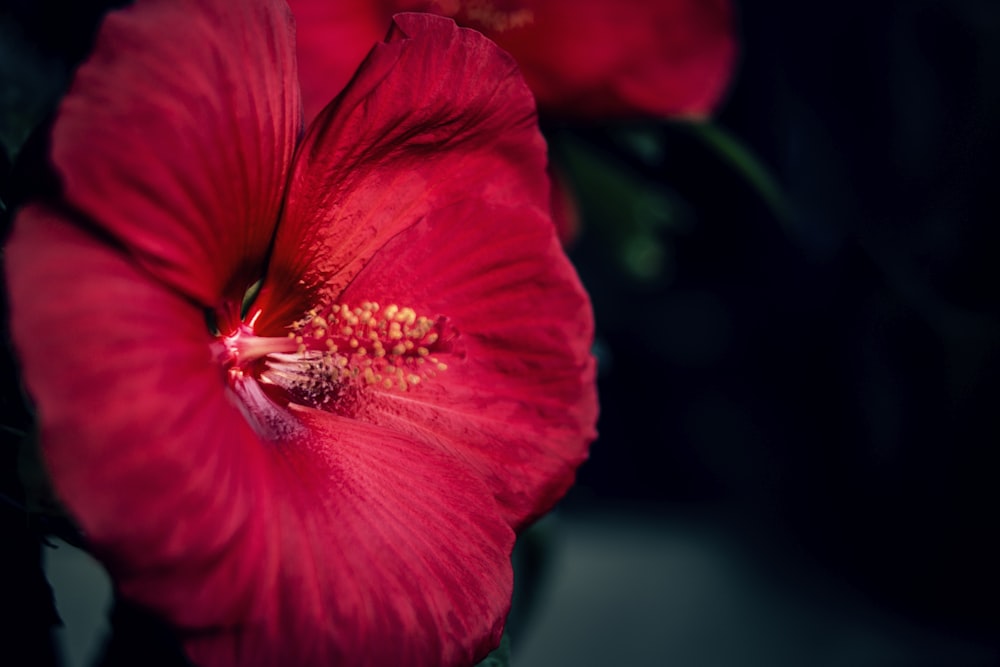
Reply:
x=598, y=58
x=517, y=400
x=176, y=137
x=332, y=38
x=393, y=555
x=436, y=115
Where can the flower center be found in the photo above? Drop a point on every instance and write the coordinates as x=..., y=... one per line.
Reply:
x=331, y=359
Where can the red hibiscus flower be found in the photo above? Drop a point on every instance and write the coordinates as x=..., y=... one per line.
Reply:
x=338, y=476
x=581, y=58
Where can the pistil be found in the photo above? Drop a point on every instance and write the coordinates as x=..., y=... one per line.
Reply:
x=242, y=348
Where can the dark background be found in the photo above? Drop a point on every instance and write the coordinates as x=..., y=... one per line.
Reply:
x=830, y=376
x=817, y=371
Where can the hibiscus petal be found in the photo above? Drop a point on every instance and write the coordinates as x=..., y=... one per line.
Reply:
x=400, y=557
x=352, y=544
x=594, y=58
x=333, y=37
x=435, y=115
x=160, y=470
x=518, y=403
x=425, y=186
x=177, y=134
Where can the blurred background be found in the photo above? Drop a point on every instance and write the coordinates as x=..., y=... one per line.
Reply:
x=799, y=342
x=800, y=402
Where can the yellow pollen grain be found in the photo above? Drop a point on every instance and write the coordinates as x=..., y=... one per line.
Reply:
x=407, y=315
x=395, y=350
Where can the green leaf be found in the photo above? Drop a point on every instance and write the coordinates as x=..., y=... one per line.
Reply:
x=249, y=297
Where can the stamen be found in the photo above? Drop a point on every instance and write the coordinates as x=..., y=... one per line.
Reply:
x=329, y=359
x=313, y=377
x=366, y=345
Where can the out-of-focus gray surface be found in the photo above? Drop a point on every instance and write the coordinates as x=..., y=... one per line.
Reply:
x=643, y=593
x=83, y=598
